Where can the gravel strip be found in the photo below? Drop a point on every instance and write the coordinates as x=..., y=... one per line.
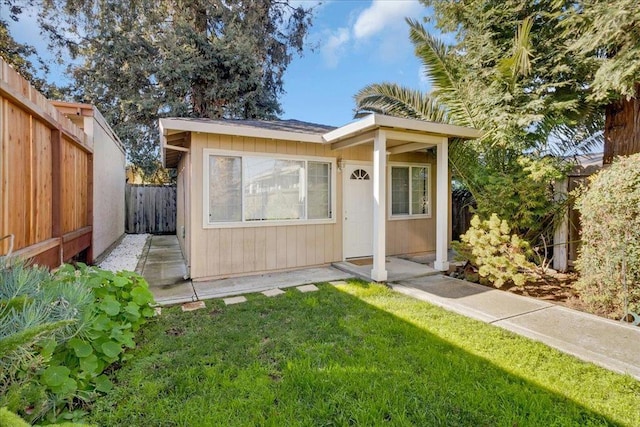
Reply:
x=125, y=256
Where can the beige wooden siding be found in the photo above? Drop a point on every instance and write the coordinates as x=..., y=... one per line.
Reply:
x=234, y=251
x=182, y=203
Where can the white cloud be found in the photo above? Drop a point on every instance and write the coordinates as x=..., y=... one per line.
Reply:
x=383, y=14
x=335, y=46
x=384, y=18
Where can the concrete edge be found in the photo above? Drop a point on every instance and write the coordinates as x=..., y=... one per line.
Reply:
x=108, y=251
x=258, y=289
x=455, y=308
x=571, y=349
x=507, y=324
x=143, y=256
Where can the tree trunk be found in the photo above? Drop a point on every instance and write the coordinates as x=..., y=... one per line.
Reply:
x=622, y=128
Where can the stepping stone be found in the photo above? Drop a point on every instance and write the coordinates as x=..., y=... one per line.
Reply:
x=192, y=306
x=234, y=300
x=307, y=288
x=157, y=311
x=338, y=283
x=273, y=292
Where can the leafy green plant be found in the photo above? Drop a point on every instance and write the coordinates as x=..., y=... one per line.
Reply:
x=9, y=419
x=500, y=256
x=609, y=258
x=521, y=190
x=121, y=303
x=35, y=315
x=60, y=331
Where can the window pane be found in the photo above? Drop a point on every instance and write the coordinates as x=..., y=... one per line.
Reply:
x=419, y=191
x=225, y=198
x=399, y=190
x=273, y=189
x=318, y=205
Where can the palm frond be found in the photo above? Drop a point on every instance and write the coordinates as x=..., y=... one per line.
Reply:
x=434, y=56
x=394, y=100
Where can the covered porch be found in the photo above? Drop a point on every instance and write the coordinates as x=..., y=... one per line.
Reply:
x=388, y=136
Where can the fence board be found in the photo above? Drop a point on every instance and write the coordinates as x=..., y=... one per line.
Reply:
x=45, y=176
x=150, y=209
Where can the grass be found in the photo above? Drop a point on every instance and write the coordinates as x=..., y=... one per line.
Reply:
x=358, y=354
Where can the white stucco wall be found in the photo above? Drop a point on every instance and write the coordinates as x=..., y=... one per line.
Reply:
x=108, y=183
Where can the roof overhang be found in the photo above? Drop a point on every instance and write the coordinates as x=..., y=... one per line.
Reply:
x=403, y=135
x=235, y=130
x=410, y=134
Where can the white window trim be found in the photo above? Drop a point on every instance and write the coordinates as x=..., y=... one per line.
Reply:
x=266, y=223
x=401, y=217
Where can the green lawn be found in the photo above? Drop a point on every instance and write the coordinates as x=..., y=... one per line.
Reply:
x=357, y=354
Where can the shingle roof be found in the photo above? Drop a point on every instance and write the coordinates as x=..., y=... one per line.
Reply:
x=279, y=125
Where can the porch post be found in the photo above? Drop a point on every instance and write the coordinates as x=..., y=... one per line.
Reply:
x=442, y=205
x=379, y=272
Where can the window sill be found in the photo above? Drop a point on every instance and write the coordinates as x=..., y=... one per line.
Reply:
x=272, y=223
x=408, y=217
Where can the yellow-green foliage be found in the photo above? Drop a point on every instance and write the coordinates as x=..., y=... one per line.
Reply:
x=500, y=256
x=610, y=251
x=9, y=419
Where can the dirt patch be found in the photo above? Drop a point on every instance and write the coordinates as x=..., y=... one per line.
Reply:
x=175, y=332
x=215, y=312
x=557, y=288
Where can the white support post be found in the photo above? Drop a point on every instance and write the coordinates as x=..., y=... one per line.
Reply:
x=379, y=272
x=442, y=206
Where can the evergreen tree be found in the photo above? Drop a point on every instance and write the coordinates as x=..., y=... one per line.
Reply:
x=141, y=60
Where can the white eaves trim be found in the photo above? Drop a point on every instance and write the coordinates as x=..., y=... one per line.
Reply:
x=374, y=121
x=237, y=130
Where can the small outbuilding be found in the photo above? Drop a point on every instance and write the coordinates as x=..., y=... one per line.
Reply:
x=261, y=196
x=109, y=177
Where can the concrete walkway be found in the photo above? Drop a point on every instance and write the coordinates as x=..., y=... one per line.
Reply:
x=164, y=268
x=611, y=344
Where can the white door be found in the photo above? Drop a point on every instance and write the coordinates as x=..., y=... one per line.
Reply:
x=358, y=210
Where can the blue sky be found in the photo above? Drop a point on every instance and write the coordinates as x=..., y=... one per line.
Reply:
x=352, y=43
x=358, y=42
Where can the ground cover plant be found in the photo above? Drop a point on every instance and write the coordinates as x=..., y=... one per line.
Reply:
x=60, y=331
x=355, y=354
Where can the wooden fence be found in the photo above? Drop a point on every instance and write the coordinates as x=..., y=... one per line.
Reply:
x=46, y=177
x=461, y=203
x=150, y=209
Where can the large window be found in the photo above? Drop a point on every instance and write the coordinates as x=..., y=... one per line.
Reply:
x=410, y=195
x=252, y=189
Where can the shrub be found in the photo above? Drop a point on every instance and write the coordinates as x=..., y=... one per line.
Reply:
x=121, y=303
x=609, y=258
x=523, y=192
x=35, y=315
x=501, y=257
x=59, y=332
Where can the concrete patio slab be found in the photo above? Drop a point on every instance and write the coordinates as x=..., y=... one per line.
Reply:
x=258, y=283
x=272, y=292
x=613, y=345
x=397, y=269
x=193, y=306
x=173, y=294
x=307, y=288
x=338, y=283
x=233, y=300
